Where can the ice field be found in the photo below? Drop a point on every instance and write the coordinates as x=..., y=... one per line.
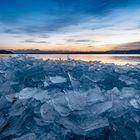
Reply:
x=68, y=100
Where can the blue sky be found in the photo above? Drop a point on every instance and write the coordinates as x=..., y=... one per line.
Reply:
x=70, y=24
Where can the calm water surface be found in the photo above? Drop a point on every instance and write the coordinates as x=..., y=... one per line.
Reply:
x=117, y=59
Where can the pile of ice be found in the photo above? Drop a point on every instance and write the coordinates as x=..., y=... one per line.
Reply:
x=68, y=100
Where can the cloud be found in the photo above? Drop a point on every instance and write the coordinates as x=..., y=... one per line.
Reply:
x=43, y=36
x=50, y=25
x=33, y=41
x=41, y=26
x=65, y=12
x=10, y=31
x=128, y=46
x=79, y=40
x=56, y=16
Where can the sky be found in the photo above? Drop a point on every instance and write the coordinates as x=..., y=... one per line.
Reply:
x=72, y=25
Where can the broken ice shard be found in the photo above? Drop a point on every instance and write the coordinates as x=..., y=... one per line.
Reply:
x=60, y=104
x=94, y=95
x=58, y=79
x=47, y=112
x=134, y=103
x=74, y=83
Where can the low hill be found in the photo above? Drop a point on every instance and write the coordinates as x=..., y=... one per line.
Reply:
x=5, y=52
x=76, y=52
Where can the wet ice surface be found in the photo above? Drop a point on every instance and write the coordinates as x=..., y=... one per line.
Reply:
x=68, y=100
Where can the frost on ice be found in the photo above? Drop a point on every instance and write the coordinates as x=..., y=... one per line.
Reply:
x=68, y=100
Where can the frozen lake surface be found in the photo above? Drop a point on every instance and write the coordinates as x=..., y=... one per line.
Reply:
x=117, y=59
x=68, y=100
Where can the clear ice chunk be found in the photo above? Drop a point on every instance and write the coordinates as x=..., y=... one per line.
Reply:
x=26, y=93
x=97, y=124
x=128, y=80
x=100, y=108
x=74, y=82
x=76, y=101
x=47, y=112
x=94, y=95
x=134, y=103
x=41, y=95
x=60, y=104
x=128, y=92
x=58, y=79
x=119, y=108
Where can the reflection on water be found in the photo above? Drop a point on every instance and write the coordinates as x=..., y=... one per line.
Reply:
x=117, y=59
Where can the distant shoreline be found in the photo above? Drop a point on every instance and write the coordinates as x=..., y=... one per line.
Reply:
x=78, y=53
x=69, y=52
